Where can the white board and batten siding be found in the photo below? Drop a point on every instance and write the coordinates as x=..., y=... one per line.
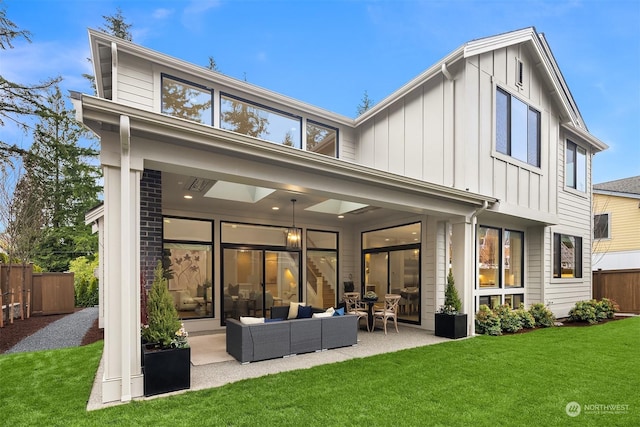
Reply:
x=515, y=183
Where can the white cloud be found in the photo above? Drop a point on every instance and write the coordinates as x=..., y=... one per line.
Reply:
x=194, y=14
x=162, y=13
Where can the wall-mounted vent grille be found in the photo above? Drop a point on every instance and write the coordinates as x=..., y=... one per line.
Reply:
x=198, y=185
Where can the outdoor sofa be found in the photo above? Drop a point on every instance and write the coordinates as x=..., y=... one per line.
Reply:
x=273, y=339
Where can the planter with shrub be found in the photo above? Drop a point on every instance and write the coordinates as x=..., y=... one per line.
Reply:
x=450, y=323
x=166, y=358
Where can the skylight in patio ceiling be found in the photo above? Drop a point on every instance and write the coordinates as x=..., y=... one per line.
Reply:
x=337, y=207
x=238, y=192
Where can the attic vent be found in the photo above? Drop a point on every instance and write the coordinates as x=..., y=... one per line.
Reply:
x=519, y=72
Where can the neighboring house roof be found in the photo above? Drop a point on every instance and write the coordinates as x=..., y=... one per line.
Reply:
x=626, y=186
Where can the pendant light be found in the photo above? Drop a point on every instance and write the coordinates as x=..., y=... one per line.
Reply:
x=293, y=233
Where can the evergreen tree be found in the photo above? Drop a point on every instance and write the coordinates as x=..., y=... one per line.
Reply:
x=162, y=316
x=68, y=175
x=365, y=104
x=116, y=26
x=213, y=66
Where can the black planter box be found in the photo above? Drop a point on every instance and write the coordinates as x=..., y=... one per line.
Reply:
x=452, y=326
x=166, y=370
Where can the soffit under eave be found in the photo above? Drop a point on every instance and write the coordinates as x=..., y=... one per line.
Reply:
x=594, y=142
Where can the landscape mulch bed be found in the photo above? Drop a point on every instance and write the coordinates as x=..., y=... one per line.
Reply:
x=11, y=334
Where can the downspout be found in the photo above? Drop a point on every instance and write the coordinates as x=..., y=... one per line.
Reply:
x=474, y=237
x=125, y=256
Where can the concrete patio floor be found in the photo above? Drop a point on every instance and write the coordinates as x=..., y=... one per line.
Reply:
x=218, y=374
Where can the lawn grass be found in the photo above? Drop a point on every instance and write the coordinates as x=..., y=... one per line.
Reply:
x=525, y=379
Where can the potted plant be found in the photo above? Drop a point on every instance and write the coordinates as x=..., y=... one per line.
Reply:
x=166, y=358
x=450, y=323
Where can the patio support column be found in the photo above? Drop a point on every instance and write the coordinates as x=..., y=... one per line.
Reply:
x=463, y=266
x=122, y=374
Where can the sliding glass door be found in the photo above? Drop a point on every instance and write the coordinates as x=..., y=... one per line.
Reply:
x=257, y=279
x=391, y=262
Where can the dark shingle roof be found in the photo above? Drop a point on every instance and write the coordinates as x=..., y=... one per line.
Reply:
x=626, y=185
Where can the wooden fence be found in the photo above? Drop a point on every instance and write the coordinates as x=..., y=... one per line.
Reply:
x=39, y=293
x=622, y=286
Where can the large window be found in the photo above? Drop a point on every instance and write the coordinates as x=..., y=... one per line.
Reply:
x=321, y=139
x=259, y=121
x=576, y=167
x=601, y=226
x=186, y=100
x=188, y=264
x=567, y=256
x=500, y=266
x=517, y=129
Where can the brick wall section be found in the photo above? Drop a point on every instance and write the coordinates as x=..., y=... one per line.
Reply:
x=150, y=223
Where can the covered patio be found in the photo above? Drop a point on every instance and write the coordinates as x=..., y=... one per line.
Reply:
x=218, y=373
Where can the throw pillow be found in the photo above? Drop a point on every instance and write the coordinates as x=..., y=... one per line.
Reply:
x=267, y=320
x=339, y=312
x=251, y=320
x=319, y=315
x=304, y=312
x=330, y=311
x=293, y=309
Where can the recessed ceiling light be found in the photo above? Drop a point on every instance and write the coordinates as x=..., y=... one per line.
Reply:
x=386, y=240
x=340, y=216
x=275, y=208
x=188, y=196
x=415, y=232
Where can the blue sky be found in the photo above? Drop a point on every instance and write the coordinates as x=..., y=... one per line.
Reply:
x=328, y=53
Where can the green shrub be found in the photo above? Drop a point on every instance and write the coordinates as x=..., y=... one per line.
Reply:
x=451, y=299
x=544, y=317
x=585, y=311
x=527, y=320
x=85, y=282
x=164, y=327
x=487, y=322
x=593, y=311
x=509, y=319
x=609, y=307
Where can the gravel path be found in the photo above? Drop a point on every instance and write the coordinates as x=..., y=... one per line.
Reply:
x=66, y=332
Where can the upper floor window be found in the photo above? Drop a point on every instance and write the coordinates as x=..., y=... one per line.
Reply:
x=259, y=121
x=601, y=226
x=186, y=100
x=517, y=129
x=567, y=256
x=576, y=167
x=321, y=139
